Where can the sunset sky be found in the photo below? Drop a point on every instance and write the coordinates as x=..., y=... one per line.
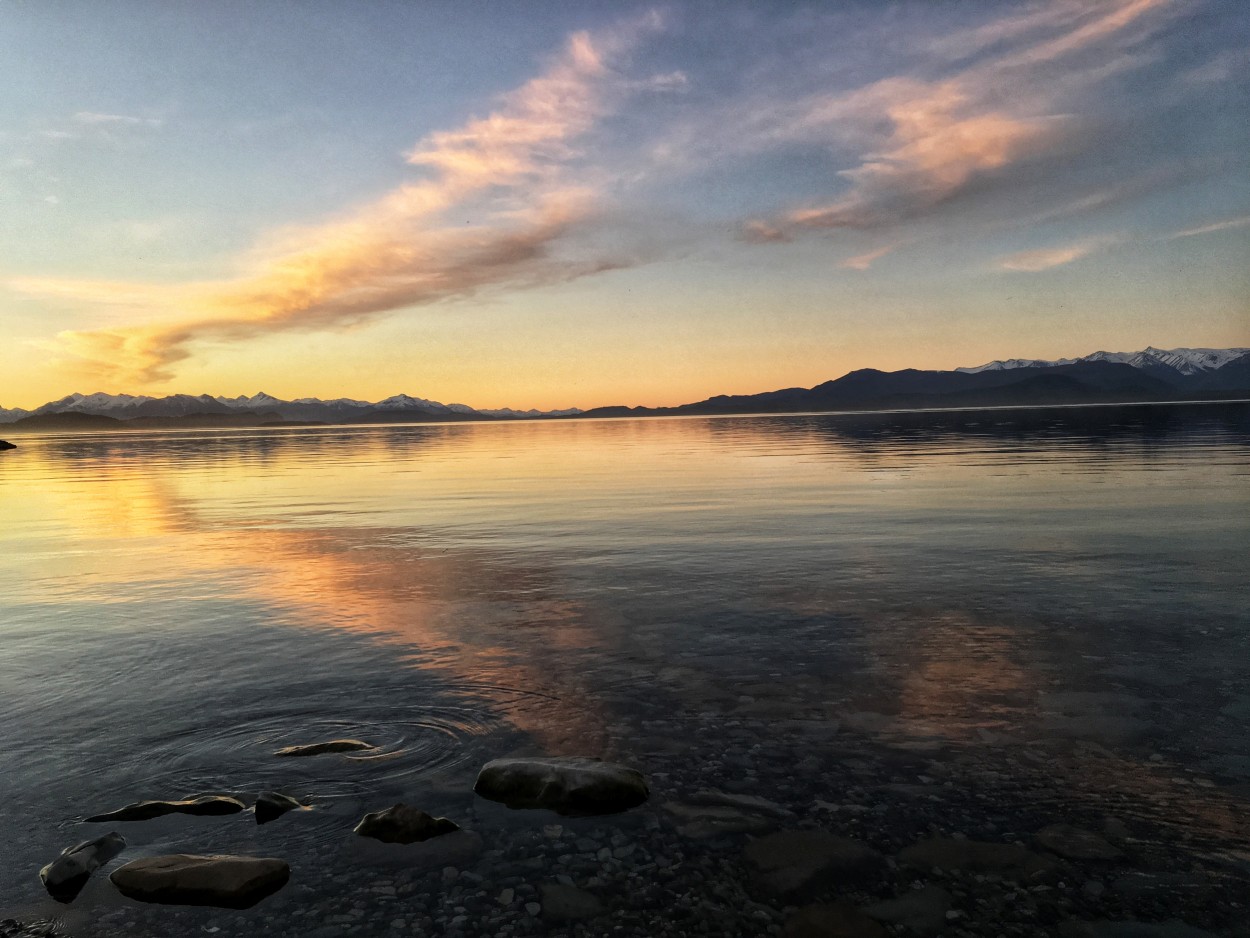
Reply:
x=557, y=204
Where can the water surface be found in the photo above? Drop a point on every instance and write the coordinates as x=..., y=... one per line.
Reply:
x=178, y=605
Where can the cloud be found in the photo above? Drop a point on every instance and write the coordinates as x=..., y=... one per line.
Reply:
x=1046, y=258
x=867, y=259
x=505, y=173
x=925, y=141
x=1214, y=226
x=93, y=118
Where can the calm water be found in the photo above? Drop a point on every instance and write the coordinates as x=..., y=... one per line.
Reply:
x=176, y=606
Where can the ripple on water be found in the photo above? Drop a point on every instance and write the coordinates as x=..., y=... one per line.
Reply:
x=411, y=744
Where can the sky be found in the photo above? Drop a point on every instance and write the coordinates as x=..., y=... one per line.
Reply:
x=553, y=204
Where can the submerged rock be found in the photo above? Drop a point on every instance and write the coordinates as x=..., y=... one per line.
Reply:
x=228, y=882
x=793, y=864
x=274, y=804
x=563, y=903
x=832, y=920
x=1172, y=929
x=700, y=822
x=146, y=810
x=65, y=876
x=458, y=849
x=570, y=786
x=1076, y=843
x=403, y=825
x=333, y=745
x=977, y=856
x=920, y=910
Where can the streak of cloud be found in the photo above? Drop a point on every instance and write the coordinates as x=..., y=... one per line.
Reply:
x=1214, y=226
x=1047, y=258
x=924, y=142
x=868, y=258
x=506, y=170
x=94, y=118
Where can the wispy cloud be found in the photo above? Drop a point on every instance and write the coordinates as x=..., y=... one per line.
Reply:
x=926, y=141
x=1214, y=226
x=1047, y=258
x=507, y=172
x=868, y=258
x=94, y=118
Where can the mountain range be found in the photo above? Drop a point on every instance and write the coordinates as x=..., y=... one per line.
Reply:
x=1101, y=377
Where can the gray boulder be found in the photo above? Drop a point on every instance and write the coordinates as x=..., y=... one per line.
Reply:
x=65, y=876
x=146, y=810
x=569, y=786
x=228, y=882
x=317, y=749
x=403, y=825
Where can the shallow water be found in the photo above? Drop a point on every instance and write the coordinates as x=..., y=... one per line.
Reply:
x=179, y=605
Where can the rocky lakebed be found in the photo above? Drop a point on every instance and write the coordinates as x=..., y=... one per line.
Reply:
x=751, y=819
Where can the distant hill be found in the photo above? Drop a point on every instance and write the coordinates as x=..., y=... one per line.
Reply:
x=1101, y=377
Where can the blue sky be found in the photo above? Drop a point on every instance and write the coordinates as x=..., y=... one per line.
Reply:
x=554, y=204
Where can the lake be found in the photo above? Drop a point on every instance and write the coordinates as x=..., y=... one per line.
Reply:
x=892, y=626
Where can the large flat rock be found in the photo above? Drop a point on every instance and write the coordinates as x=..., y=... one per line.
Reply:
x=793, y=864
x=229, y=882
x=570, y=786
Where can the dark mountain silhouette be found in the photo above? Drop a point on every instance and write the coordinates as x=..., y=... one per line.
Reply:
x=1152, y=374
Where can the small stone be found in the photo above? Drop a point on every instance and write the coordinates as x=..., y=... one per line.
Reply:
x=273, y=804
x=533, y=908
x=401, y=824
x=330, y=746
x=65, y=877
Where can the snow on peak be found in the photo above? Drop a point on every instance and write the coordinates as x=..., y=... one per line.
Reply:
x=1187, y=361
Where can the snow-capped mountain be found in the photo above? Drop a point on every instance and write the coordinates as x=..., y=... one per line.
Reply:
x=1184, y=361
x=312, y=409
